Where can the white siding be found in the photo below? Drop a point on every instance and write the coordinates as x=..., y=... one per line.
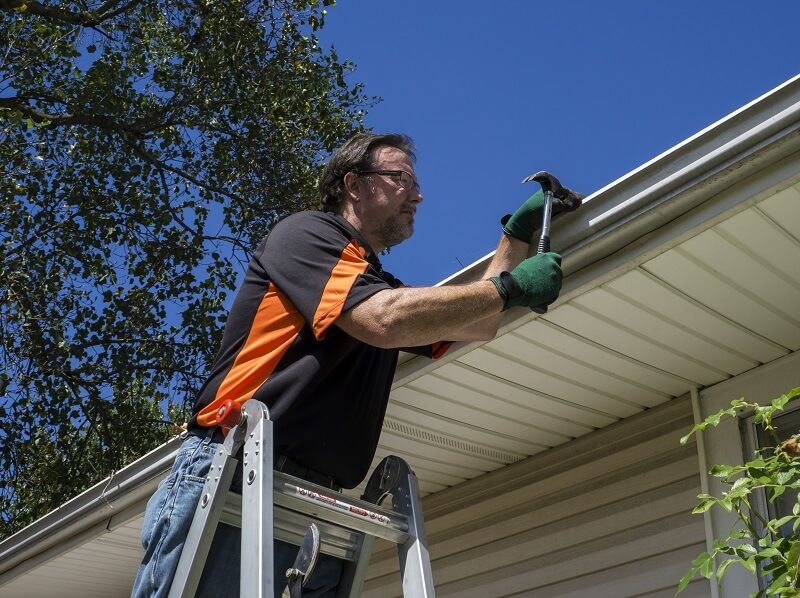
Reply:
x=607, y=515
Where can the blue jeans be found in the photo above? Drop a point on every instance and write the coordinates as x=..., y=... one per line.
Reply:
x=167, y=520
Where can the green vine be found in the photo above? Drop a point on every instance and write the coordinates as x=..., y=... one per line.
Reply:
x=765, y=546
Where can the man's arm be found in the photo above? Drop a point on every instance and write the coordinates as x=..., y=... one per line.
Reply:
x=513, y=248
x=509, y=254
x=412, y=317
x=408, y=317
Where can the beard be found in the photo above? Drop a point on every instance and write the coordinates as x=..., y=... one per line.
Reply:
x=395, y=229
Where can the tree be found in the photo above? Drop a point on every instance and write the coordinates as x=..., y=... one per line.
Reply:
x=145, y=147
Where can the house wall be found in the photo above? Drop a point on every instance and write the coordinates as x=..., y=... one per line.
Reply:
x=607, y=515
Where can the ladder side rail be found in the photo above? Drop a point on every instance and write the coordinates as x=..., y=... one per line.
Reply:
x=415, y=560
x=354, y=573
x=393, y=477
x=257, y=510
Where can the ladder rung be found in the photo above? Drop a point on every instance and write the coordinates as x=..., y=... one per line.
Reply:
x=334, y=507
x=320, y=504
x=291, y=526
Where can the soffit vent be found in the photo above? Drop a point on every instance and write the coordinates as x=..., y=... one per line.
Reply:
x=449, y=442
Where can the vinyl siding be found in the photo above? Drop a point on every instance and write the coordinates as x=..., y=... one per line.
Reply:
x=608, y=515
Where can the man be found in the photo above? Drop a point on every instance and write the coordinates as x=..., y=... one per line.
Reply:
x=314, y=333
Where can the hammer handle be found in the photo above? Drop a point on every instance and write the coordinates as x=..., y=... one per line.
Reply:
x=544, y=245
x=544, y=240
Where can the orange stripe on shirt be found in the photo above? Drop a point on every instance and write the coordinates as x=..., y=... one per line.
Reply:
x=277, y=323
x=440, y=348
x=350, y=266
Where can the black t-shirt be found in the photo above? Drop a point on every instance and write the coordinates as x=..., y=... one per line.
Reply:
x=326, y=391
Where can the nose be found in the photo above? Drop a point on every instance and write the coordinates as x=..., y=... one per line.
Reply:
x=416, y=195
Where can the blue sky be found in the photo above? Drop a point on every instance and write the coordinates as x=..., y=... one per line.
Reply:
x=587, y=89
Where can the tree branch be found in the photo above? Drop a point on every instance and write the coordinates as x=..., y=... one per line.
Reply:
x=86, y=18
x=168, y=203
x=32, y=239
x=151, y=159
x=103, y=122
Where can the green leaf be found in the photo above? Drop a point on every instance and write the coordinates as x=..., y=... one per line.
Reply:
x=705, y=564
x=740, y=488
x=779, y=523
x=793, y=554
x=747, y=549
x=781, y=401
x=739, y=534
x=696, y=428
x=776, y=493
x=704, y=506
x=721, y=471
x=684, y=581
x=702, y=564
x=724, y=567
x=769, y=553
x=750, y=564
x=779, y=587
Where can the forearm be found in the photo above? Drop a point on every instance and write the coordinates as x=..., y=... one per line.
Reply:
x=510, y=252
x=409, y=317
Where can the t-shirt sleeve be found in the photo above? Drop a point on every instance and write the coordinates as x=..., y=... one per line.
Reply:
x=320, y=269
x=434, y=351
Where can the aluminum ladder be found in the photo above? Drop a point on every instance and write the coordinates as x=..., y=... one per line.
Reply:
x=273, y=503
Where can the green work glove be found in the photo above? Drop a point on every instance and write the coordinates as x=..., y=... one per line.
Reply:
x=528, y=218
x=536, y=281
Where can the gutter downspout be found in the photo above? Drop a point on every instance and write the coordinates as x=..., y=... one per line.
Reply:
x=703, y=463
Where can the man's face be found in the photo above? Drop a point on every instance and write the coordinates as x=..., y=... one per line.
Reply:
x=392, y=199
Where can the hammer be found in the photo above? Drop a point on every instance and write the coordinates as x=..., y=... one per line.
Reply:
x=550, y=186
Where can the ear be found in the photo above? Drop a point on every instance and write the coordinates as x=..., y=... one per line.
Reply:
x=351, y=181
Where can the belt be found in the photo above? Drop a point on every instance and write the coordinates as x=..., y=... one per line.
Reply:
x=283, y=463
x=291, y=467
